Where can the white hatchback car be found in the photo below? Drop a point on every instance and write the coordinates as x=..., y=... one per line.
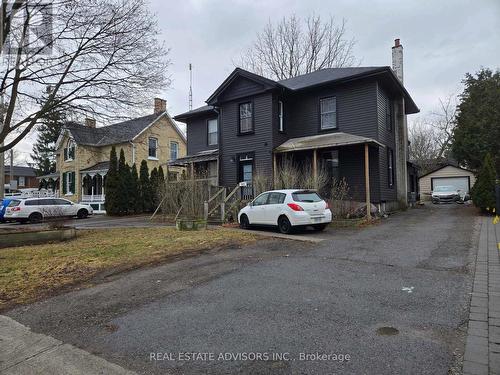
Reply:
x=35, y=210
x=287, y=209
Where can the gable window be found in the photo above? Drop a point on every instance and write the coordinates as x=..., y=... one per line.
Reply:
x=246, y=118
x=174, y=150
x=69, y=151
x=281, y=123
x=153, y=148
x=388, y=114
x=328, y=109
x=212, y=132
x=390, y=167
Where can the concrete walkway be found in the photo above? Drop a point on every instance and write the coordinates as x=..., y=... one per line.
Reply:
x=25, y=352
x=482, y=350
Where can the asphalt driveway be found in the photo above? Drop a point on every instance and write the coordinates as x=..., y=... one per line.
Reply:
x=392, y=297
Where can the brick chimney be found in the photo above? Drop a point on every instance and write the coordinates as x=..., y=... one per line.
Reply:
x=160, y=106
x=397, y=59
x=90, y=122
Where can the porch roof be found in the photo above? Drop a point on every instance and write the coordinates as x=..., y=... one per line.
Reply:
x=102, y=166
x=53, y=176
x=207, y=155
x=323, y=141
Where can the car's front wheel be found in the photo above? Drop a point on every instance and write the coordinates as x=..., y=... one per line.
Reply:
x=284, y=225
x=244, y=223
x=82, y=213
x=35, y=218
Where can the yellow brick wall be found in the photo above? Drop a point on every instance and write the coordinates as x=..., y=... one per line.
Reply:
x=87, y=156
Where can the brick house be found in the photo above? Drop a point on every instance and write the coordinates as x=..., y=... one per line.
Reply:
x=25, y=177
x=83, y=151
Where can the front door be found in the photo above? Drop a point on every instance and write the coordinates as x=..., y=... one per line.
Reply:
x=330, y=164
x=246, y=175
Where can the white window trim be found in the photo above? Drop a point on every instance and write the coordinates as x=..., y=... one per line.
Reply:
x=216, y=132
x=72, y=143
x=327, y=112
x=19, y=181
x=156, y=149
x=280, y=115
x=177, y=150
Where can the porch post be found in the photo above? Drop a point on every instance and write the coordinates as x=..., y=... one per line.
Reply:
x=275, y=169
x=192, y=171
x=315, y=165
x=367, y=182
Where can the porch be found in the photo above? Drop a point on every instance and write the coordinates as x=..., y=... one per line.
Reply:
x=203, y=165
x=335, y=156
x=93, y=180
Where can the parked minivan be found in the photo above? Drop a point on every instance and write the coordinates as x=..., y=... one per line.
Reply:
x=35, y=210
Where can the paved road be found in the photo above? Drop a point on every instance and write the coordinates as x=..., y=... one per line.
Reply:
x=411, y=272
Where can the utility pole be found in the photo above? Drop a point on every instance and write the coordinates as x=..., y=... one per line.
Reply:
x=11, y=174
x=2, y=158
x=190, y=86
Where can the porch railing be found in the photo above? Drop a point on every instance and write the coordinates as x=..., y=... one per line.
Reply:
x=93, y=198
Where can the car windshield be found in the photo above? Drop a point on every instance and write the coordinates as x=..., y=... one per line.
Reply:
x=306, y=197
x=443, y=189
x=14, y=203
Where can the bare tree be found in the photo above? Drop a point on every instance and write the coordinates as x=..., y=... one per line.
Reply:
x=95, y=57
x=294, y=46
x=444, y=122
x=424, y=145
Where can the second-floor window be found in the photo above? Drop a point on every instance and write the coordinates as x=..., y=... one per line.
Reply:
x=246, y=118
x=69, y=151
x=153, y=148
x=212, y=132
x=174, y=150
x=281, y=124
x=390, y=167
x=328, y=108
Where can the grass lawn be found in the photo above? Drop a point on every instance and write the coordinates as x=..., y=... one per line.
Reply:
x=28, y=273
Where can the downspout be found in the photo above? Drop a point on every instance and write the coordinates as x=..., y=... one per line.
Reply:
x=133, y=151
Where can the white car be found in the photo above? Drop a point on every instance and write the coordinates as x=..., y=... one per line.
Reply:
x=446, y=194
x=286, y=209
x=35, y=210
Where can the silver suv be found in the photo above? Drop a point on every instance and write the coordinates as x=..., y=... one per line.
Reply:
x=35, y=210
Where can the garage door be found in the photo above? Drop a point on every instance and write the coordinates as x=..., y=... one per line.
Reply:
x=459, y=183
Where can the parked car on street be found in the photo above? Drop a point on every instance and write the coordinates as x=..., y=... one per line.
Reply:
x=35, y=210
x=287, y=209
x=445, y=194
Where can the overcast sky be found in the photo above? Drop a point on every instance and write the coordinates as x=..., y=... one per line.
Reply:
x=442, y=40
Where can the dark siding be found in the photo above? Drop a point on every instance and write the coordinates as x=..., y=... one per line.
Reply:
x=260, y=142
x=352, y=167
x=356, y=110
x=241, y=87
x=197, y=134
x=388, y=139
x=280, y=137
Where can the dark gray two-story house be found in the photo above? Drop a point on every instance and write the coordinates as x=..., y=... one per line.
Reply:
x=342, y=119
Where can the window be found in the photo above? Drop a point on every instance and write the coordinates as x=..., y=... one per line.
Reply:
x=153, y=148
x=62, y=202
x=306, y=197
x=68, y=181
x=390, y=167
x=280, y=117
x=22, y=181
x=69, y=151
x=32, y=202
x=246, y=118
x=328, y=108
x=388, y=114
x=174, y=150
x=276, y=198
x=260, y=200
x=212, y=132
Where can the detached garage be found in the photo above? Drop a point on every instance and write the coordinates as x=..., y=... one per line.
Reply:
x=449, y=175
